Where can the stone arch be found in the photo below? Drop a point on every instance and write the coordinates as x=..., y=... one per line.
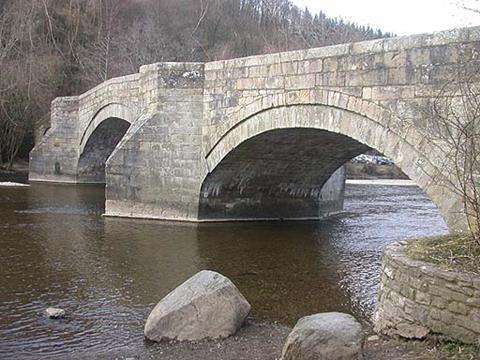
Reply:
x=112, y=110
x=357, y=120
x=101, y=136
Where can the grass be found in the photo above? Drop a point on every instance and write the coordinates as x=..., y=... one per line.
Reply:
x=457, y=350
x=435, y=347
x=451, y=252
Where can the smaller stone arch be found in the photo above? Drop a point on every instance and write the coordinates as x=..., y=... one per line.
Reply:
x=101, y=136
x=112, y=110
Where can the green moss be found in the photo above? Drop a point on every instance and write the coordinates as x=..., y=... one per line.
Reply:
x=452, y=252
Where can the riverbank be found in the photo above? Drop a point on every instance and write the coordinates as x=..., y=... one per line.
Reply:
x=367, y=171
x=18, y=173
x=385, y=182
x=264, y=341
x=357, y=173
x=429, y=287
x=254, y=341
x=459, y=253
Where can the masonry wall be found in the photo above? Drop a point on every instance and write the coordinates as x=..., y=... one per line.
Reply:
x=222, y=200
x=55, y=158
x=98, y=148
x=399, y=74
x=157, y=170
x=417, y=298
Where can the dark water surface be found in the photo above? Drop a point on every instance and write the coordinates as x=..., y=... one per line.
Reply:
x=58, y=250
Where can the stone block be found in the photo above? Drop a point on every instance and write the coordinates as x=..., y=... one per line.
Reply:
x=436, y=307
x=300, y=82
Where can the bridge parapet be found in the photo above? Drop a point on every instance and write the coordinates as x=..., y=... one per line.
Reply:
x=400, y=74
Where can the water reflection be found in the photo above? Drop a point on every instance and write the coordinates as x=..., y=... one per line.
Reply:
x=108, y=273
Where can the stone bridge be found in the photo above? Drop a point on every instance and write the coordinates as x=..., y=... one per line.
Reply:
x=257, y=137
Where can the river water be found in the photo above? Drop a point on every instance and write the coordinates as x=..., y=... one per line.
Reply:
x=58, y=250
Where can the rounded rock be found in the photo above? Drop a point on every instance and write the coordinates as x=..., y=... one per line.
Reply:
x=208, y=305
x=329, y=336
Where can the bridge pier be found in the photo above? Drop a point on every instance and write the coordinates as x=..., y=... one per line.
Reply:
x=157, y=169
x=55, y=158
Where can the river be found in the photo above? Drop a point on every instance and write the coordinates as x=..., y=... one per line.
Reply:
x=107, y=273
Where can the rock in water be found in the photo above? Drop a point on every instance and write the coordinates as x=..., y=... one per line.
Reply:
x=329, y=336
x=55, y=313
x=208, y=305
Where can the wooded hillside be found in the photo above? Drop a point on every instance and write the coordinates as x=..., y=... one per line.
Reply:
x=52, y=48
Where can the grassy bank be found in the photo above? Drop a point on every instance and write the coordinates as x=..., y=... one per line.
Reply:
x=451, y=252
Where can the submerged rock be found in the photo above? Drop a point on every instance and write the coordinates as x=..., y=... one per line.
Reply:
x=329, y=336
x=208, y=305
x=55, y=313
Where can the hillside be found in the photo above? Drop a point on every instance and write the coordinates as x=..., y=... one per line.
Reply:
x=52, y=48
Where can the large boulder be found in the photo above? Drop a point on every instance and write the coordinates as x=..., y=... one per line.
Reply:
x=208, y=305
x=329, y=336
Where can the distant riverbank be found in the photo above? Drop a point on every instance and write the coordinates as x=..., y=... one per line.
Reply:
x=385, y=182
x=374, y=171
x=19, y=173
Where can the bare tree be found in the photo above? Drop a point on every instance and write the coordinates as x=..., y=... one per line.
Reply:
x=13, y=29
x=50, y=48
x=455, y=128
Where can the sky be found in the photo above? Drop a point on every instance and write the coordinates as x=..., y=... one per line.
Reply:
x=402, y=17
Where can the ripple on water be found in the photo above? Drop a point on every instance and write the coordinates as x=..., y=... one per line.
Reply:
x=109, y=273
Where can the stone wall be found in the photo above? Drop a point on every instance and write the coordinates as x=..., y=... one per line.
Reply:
x=55, y=158
x=228, y=195
x=157, y=169
x=417, y=298
x=399, y=74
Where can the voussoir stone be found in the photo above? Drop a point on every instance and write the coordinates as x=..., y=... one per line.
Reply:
x=326, y=336
x=208, y=305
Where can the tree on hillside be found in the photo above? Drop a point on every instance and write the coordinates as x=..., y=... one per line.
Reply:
x=52, y=48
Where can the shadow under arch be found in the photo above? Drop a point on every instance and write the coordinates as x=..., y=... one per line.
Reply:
x=100, y=137
x=112, y=110
x=98, y=148
x=344, y=134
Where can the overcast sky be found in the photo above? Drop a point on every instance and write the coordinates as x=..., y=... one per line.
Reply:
x=402, y=17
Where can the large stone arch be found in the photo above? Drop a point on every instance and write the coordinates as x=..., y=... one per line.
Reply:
x=362, y=121
x=102, y=134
